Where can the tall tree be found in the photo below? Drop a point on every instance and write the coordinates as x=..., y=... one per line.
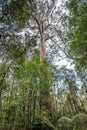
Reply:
x=38, y=25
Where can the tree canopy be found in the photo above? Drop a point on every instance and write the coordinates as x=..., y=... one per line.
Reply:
x=35, y=92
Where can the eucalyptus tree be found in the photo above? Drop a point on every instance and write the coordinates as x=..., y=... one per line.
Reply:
x=31, y=86
x=39, y=27
x=38, y=23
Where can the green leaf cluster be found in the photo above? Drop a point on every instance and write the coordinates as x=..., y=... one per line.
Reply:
x=78, y=22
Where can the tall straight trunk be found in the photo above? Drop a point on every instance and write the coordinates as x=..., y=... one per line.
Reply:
x=42, y=46
x=45, y=88
x=29, y=108
x=42, y=52
x=44, y=93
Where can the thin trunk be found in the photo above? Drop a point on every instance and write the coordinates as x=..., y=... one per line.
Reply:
x=29, y=109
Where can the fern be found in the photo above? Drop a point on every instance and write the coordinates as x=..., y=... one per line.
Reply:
x=79, y=121
x=48, y=123
x=43, y=123
x=64, y=123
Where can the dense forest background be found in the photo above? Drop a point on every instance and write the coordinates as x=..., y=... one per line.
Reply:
x=36, y=91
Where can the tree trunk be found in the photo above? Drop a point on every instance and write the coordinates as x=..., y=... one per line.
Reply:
x=44, y=105
x=42, y=46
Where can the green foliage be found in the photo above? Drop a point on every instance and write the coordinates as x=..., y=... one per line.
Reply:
x=77, y=122
x=4, y=69
x=27, y=100
x=16, y=52
x=30, y=84
x=78, y=20
x=17, y=10
x=36, y=70
x=64, y=123
x=13, y=118
x=43, y=123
